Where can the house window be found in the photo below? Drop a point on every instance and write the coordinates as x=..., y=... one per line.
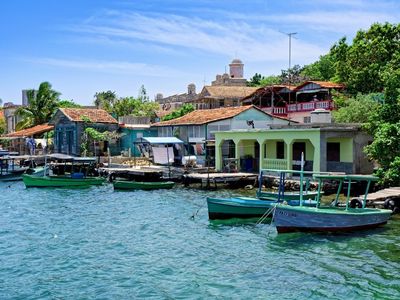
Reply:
x=307, y=119
x=333, y=151
x=280, y=150
x=221, y=103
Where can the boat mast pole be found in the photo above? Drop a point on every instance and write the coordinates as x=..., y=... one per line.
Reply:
x=348, y=194
x=301, y=178
x=364, y=205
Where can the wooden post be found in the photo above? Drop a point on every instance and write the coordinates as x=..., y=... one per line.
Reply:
x=109, y=157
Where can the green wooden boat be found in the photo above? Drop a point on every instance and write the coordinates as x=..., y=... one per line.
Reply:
x=136, y=185
x=60, y=181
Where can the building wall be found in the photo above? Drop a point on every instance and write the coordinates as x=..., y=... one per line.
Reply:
x=130, y=135
x=260, y=120
x=352, y=142
x=68, y=136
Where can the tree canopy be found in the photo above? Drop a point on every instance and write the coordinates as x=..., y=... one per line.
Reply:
x=140, y=106
x=185, y=109
x=41, y=107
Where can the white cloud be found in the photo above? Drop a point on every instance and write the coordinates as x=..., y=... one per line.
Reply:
x=250, y=42
x=121, y=67
x=345, y=22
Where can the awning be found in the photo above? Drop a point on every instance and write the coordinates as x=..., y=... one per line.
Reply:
x=159, y=140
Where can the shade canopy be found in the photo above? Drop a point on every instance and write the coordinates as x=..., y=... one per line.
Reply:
x=159, y=140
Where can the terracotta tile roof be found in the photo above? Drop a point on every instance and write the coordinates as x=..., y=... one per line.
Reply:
x=95, y=115
x=204, y=116
x=38, y=129
x=219, y=91
x=322, y=84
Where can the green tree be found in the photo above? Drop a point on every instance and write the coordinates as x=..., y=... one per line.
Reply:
x=143, y=97
x=293, y=76
x=270, y=80
x=258, y=80
x=68, y=104
x=185, y=109
x=131, y=106
x=323, y=69
x=385, y=127
x=361, y=65
x=358, y=109
x=41, y=106
x=105, y=100
x=255, y=80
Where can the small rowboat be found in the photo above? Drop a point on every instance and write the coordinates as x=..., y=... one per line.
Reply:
x=60, y=181
x=243, y=207
x=136, y=185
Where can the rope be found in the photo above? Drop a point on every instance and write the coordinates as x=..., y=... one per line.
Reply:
x=195, y=214
x=269, y=211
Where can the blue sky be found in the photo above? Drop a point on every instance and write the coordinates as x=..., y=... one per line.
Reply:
x=87, y=46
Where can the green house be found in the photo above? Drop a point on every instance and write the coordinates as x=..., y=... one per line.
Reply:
x=326, y=147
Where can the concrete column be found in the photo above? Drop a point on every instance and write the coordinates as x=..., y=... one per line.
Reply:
x=218, y=155
x=262, y=153
x=289, y=153
x=322, y=154
x=237, y=154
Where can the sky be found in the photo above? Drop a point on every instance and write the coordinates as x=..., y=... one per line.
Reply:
x=86, y=46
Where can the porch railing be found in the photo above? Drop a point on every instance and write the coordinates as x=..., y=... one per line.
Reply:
x=272, y=163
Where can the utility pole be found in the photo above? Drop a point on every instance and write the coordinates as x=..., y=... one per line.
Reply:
x=290, y=34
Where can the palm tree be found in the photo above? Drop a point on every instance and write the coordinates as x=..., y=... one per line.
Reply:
x=41, y=106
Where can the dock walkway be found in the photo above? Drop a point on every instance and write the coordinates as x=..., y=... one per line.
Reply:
x=379, y=197
x=215, y=178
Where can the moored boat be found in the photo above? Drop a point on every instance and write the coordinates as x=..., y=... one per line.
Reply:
x=332, y=218
x=66, y=172
x=243, y=207
x=137, y=185
x=60, y=181
x=9, y=170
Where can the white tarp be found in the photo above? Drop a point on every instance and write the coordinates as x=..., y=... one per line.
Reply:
x=161, y=155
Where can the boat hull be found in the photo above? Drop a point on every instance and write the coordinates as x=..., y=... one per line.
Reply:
x=135, y=185
x=287, y=195
x=290, y=219
x=242, y=207
x=13, y=175
x=55, y=181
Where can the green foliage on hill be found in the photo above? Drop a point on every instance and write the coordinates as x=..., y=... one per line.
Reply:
x=140, y=106
x=185, y=109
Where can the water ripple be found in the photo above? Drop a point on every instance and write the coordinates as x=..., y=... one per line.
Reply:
x=97, y=243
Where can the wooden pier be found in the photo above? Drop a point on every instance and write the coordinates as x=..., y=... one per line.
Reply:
x=140, y=174
x=212, y=179
x=389, y=198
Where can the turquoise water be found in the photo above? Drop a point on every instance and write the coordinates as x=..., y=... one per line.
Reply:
x=97, y=243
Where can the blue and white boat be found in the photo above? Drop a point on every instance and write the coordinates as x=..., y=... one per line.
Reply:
x=332, y=218
x=243, y=207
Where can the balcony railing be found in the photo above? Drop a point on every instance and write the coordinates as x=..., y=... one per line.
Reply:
x=299, y=107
